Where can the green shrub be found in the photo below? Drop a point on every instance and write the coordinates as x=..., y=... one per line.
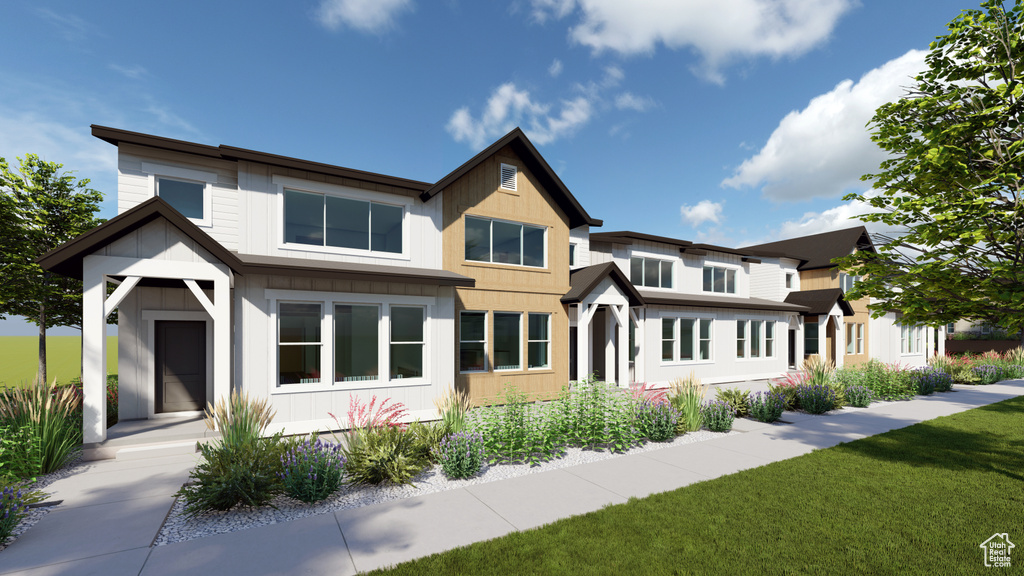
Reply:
x=687, y=396
x=312, y=470
x=736, y=398
x=519, y=431
x=767, y=406
x=817, y=398
x=888, y=382
x=53, y=415
x=426, y=438
x=246, y=474
x=595, y=415
x=657, y=421
x=461, y=454
x=859, y=396
x=718, y=416
x=382, y=454
x=788, y=392
x=19, y=453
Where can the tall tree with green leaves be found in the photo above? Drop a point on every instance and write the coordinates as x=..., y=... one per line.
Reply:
x=951, y=188
x=41, y=207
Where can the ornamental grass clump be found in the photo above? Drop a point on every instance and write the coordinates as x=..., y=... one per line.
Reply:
x=657, y=421
x=461, y=455
x=736, y=398
x=453, y=406
x=718, y=416
x=13, y=506
x=687, y=396
x=767, y=406
x=312, y=470
x=859, y=396
x=52, y=415
x=817, y=398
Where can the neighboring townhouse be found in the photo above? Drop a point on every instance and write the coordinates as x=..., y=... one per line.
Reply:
x=843, y=331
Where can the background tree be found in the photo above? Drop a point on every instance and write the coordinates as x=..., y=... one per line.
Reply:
x=951, y=189
x=41, y=207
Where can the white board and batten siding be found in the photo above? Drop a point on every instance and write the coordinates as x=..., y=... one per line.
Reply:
x=767, y=280
x=261, y=205
x=301, y=410
x=885, y=342
x=580, y=237
x=724, y=366
x=139, y=166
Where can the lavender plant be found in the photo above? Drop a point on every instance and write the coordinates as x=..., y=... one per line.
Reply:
x=312, y=470
x=767, y=406
x=461, y=454
x=930, y=379
x=988, y=373
x=13, y=506
x=718, y=415
x=859, y=396
x=817, y=398
x=657, y=420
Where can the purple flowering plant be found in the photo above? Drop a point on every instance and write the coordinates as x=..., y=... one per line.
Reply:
x=767, y=406
x=817, y=398
x=461, y=455
x=13, y=506
x=718, y=415
x=312, y=470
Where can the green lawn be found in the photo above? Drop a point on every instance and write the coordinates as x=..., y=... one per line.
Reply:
x=19, y=358
x=916, y=500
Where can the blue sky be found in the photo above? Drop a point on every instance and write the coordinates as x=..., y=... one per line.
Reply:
x=723, y=121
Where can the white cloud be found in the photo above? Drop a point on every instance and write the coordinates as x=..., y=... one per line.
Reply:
x=703, y=211
x=719, y=30
x=71, y=27
x=509, y=107
x=630, y=101
x=26, y=132
x=555, y=69
x=837, y=218
x=822, y=150
x=134, y=72
x=372, y=16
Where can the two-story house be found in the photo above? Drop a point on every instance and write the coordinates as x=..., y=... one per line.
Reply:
x=307, y=283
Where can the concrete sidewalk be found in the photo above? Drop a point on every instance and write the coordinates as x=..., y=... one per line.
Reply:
x=113, y=510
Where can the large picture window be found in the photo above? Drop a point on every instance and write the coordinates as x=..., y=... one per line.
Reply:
x=650, y=272
x=685, y=339
x=538, y=337
x=189, y=198
x=508, y=341
x=355, y=343
x=910, y=339
x=299, y=345
x=473, y=341
x=407, y=341
x=502, y=242
x=322, y=220
x=720, y=280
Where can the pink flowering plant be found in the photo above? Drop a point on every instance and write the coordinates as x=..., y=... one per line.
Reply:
x=378, y=447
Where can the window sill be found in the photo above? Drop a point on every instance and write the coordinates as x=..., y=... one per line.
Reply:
x=343, y=251
x=685, y=362
x=498, y=266
x=348, y=386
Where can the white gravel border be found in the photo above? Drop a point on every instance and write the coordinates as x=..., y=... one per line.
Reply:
x=178, y=528
x=34, y=515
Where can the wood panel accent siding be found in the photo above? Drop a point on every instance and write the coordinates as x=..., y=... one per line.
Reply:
x=506, y=288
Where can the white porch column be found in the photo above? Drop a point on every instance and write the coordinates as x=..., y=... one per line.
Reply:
x=840, y=340
x=638, y=363
x=622, y=319
x=584, y=314
x=941, y=351
x=221, y=338
x=610, y=324
x=94, y=355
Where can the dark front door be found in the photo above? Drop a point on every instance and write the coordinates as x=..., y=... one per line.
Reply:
x=792, y=348
x=180, y=366
x=599, y=324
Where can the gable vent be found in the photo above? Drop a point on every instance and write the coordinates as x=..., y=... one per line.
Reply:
x=508, y=177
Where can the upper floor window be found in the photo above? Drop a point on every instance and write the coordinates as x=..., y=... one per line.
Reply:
x=719, y=279
x=650, y=272
x=185, y=197
x=572, y=254
x=847, y=281
x=789, y=280
x=332, y=221
x=502, y=242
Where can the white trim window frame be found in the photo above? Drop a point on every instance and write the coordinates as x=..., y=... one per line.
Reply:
x=482, y=342
x=742, y=338
x=542, y=343
x=671, y=338
x=851, y=344
x=756, y=339
x=300, y=343
x=490, y=242
x=665, y=279
x=727, y=272
x=695, y=332
x=860, y=338
x=517, y=341
x=285, y=184
x=157, y=172
x=770, y=326
x=506, y=170
x=356, y=325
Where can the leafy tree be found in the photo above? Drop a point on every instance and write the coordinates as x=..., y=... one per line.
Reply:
x=951, y=188
x=41, y=207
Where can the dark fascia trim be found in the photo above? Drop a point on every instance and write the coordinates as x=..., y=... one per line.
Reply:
x=115, y=136
x=361, y=272
x=610, y=270
x=751, y=259
x=529, y=154
x=627, y=237
x=67, y=258
x=741, y=304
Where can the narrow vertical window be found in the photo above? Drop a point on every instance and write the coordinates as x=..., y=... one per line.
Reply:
x=705, y=339
x=472, y=341
x=741, y=338
x=755, y=338
x=789, y=280
x=538, y=337
x=355, y=343
x=668, y=339
x=860, y=338
x=903, y=339
x=572, y=254
x=298, y=344
x=850, y=344
x=810, y=336
x=666, y=274
x=407, y=341
x=508, y=341
x=769, y=339
x=687, y=342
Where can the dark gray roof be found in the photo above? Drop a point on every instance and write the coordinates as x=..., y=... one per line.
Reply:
x=653, y=297
x=276, y=265
x=583, y=280
x=627, y=237
x=817, y=249
x=820, y=301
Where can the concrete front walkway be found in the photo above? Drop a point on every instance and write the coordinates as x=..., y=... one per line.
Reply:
x=112, y=511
